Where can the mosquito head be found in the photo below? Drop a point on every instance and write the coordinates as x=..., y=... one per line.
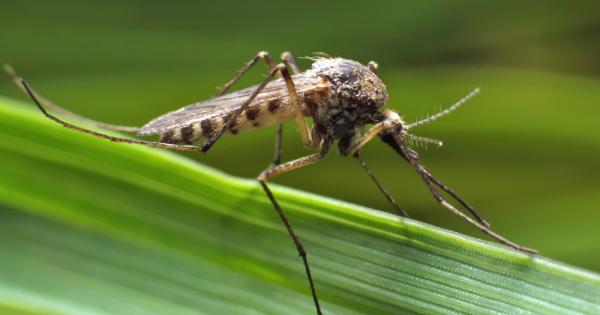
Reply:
x=394, y=130
x=396, y=135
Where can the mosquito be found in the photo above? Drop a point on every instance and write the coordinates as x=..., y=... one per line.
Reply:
x=341, y=96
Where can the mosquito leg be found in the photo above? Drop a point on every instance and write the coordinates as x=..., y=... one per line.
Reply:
x=47, y=104
x=278, y=145
x=368, y=136
x=304, y=132
x=460, y=200
x=440, y=199
x=391, y=119
x=434, y=180
x=215, y=136
x=278, y=170
x=261, y=55
x=289, y=61
x=389, y=197
x=65, y=124
x=279, y=69
x=290, y=166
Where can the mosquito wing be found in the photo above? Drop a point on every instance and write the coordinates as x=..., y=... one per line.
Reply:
x=224, y=105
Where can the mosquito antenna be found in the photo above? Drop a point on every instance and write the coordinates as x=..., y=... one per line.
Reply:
x=444, y=112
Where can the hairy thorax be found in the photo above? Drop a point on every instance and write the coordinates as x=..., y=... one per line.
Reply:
x=348, y=96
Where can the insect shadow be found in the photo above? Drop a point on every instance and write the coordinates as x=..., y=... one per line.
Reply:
x=341, y=96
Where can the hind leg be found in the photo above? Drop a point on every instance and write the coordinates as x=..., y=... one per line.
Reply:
x=155, y=144
x=48, y=104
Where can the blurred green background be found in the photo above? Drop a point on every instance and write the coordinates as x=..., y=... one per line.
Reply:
x=526, y=152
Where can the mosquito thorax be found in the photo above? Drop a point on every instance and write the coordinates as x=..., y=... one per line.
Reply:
x=355, y=97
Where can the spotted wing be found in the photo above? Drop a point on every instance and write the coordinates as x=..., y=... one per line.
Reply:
x=221, y=106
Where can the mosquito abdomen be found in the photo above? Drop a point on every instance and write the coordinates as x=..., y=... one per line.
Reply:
x=258, y=115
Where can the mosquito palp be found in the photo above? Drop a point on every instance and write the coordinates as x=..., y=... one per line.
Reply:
x=418, y=139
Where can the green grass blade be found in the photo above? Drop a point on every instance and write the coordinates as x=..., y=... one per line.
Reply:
x=93, y=227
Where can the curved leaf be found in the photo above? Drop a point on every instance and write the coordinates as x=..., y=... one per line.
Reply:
x=93, y=227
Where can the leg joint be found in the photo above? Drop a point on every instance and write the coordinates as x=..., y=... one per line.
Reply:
x=286, y=55
x=282, y=68
x=263, y=54
x=262, y=177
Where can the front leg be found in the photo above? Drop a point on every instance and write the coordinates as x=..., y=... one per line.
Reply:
x=384, y=191
x=391, y=119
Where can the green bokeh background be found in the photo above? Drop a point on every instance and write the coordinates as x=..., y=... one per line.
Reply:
x=526, y=152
